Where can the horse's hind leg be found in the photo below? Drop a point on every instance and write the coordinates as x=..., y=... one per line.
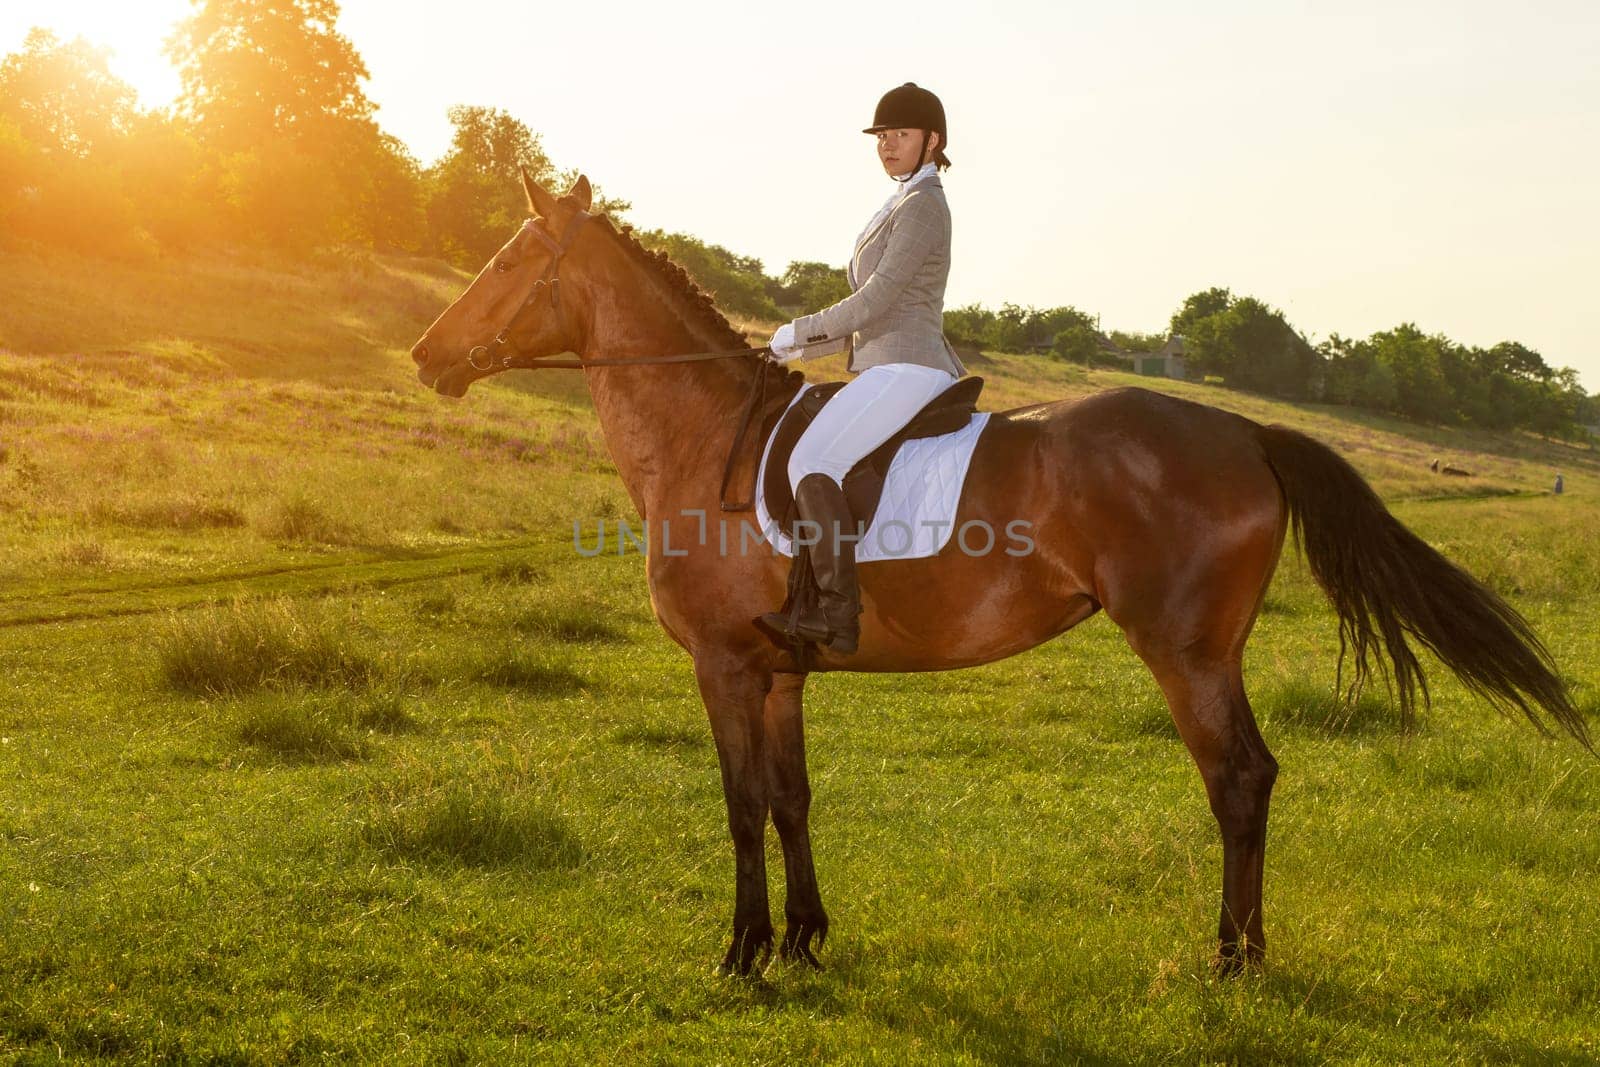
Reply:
x=789, y=793
x=1213, y=716
x=1188, y=614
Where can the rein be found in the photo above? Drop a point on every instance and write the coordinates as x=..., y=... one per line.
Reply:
x=518, y=362
x=513, y=360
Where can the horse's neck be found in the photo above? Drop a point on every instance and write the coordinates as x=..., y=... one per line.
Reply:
x=669, y=427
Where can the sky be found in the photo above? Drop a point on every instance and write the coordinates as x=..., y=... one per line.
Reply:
x=1355, y=164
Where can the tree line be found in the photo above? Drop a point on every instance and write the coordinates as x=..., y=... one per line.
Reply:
x=1239, y=341
x=1421, y=376
x=272, y=143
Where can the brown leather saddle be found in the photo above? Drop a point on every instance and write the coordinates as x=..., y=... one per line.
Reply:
x=946, y=413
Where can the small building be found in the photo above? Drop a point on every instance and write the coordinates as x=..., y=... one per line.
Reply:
x=1165, y=362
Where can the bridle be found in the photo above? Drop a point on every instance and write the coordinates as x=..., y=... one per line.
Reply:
x=551, y=280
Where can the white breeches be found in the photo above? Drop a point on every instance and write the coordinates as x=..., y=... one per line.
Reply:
x=868, y=411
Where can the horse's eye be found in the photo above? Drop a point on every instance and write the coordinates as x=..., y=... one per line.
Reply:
x=501, y=266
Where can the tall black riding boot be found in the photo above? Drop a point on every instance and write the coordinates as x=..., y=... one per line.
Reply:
x=833, y=623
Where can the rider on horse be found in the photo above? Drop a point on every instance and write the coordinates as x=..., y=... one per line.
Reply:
x=892, y=324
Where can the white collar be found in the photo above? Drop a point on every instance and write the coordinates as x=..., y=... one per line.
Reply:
x=927, y=170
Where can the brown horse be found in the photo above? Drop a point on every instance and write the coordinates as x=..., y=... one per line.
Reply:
x=1168, y=515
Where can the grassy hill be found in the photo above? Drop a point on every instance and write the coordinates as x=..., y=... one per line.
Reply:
x=212, y=417
x=317, y=739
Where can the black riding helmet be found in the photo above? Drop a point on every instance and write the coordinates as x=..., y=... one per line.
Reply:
x=911, y=107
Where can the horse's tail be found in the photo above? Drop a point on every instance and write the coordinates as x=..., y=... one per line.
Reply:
x=1386, y=582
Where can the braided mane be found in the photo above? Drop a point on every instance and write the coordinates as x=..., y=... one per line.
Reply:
x=694, y=305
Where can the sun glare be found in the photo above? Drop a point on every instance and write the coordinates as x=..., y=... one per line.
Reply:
x=133, y=32
x=1438, y=172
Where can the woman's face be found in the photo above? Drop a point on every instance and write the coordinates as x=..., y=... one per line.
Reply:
x=897, y=150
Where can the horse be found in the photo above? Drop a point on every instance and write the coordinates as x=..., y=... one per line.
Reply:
x=1167, y=515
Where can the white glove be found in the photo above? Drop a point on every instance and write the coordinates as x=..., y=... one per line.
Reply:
x=784, y=350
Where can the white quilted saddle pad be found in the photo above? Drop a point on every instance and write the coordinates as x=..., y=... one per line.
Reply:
x=916, y=514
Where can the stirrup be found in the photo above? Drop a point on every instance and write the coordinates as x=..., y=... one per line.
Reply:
x=784, y=629
x=787, y=632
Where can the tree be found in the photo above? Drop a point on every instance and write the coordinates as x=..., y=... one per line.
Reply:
x=1463, y=385
x=1078, y=343
x=273, y=91
x=1517, y=360
x=62, y=116
x=1413, y=359
x=1009, y=331
x=1587, y=411
x=809, y=287
x=1555, y=405
x=1064, y=330
x=969, y=325
x=1199, y=306
x=1046, y=325
x=1377, y=388
x=493, y=143
x=173, y=182
x=387, y=208
x=1248, y=344
x=18, y=163
x=63, y=98
x=258, y=69
x=737, y=282
x=474, y=198
x=1352, y=374
x=1134, y=341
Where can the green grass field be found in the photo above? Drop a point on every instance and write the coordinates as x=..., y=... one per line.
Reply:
x=318, y=741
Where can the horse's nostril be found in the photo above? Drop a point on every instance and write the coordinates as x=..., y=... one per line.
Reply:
x=420, y=354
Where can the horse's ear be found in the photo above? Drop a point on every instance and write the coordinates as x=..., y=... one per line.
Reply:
x=581, y=193
x=540, y=203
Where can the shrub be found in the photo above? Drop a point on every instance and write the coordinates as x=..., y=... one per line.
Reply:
x=300, y=518
x=299, y=729
x=258, y=644
x=513, y=572
x=515, y=669
x=479, y=826
x=568, y=625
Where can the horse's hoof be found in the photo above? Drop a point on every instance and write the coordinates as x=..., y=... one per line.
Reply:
x=797, y=941
x=747, y=954
x=1233, y=959
x=800, y=954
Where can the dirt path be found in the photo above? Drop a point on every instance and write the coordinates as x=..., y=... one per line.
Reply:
x=146, y=595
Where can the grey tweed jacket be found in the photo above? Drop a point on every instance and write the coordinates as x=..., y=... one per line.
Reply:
x=895, y=312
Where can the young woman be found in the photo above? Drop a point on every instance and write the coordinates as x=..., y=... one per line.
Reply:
x=892, y=324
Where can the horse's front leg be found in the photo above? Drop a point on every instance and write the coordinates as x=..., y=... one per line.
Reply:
x=734, y=688
x=790, y=794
